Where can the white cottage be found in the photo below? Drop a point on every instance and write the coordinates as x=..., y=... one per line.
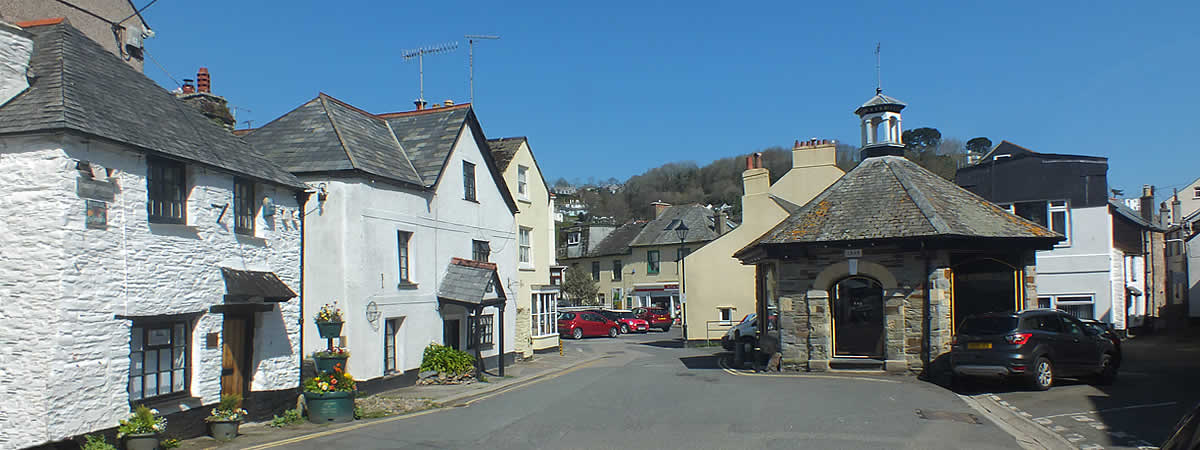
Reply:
x=148, y=255
x=399, y=196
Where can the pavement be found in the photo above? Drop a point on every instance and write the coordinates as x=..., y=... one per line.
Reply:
x=647, y=391
x=1156, y=386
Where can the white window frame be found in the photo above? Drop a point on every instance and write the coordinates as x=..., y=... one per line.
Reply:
x=523, y=182
x=1064, y=207
x=1196, y=192
x=725, y=313
x=572, y=237
x=1056, y=301
x=525, y=249
x=544, y=313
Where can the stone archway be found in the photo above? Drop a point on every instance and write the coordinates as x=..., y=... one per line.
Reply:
x=857, y=313
x=983, y=285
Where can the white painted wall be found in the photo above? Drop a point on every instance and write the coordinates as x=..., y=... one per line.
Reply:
x=62, y=284
x=1084, y=266
x=352, y=257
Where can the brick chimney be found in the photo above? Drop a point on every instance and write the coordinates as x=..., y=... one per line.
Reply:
x=659, y=207
x=200, y=96
x=1146, y=203
x=420, y=104
x=719, y=223
x=203, y=81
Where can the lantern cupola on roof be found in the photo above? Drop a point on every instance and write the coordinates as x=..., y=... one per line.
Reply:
x=881, y=131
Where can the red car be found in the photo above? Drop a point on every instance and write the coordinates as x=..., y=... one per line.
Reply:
x=655, y=316
x=628, y=321
x=586, y=323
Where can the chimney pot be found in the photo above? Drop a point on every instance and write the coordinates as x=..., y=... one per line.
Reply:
x=749, y=162
x=449, y=102
x=203, y=82
x=659, y=207
x=420, y=104
x=797, y=144
x=187, y=86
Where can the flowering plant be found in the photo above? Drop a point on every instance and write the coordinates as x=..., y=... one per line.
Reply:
x=338, y=381
x=335, y=352
x=227, y=410
x=142, y=420
x=329, y=313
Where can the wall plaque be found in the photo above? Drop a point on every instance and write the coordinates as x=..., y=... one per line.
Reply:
x=95, y=189
x=97, y=215
x=854, y=253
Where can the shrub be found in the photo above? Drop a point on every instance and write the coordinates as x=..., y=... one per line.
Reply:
x=227, y=410
x=290, y=417
x=440, y=358
x=143, y=420
x=96, y=442
x=169, y=443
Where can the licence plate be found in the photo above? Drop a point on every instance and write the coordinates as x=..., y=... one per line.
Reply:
x=979, y=345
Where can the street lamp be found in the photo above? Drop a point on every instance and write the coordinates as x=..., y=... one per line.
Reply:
x=681, y=231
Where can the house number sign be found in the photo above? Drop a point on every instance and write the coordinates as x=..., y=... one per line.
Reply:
x=854, y=253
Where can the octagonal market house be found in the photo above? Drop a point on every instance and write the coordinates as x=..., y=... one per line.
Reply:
x=874, y=272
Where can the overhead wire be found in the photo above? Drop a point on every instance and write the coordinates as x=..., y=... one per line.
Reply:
x=160, y=66
x=69, y=4
x=138, y=12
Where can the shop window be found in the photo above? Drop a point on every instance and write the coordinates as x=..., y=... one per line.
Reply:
x=158, y=359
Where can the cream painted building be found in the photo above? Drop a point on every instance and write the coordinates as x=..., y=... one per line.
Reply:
x=719, y=289
x=537, y=300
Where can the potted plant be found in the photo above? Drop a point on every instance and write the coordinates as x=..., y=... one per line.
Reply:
x=330, y=396
x=140, y=430
x=327, y=359
x=329, y=321
x=226, y=417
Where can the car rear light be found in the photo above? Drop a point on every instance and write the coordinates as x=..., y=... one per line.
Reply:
x=1018, y=368
x=1018, y=338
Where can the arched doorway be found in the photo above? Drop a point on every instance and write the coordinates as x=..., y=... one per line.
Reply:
x=983, y=285
x=857, y=311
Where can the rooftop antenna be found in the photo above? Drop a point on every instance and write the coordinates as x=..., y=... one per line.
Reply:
x=249, y=123
x=878, y=79
x=471, y=38
x=420, y=53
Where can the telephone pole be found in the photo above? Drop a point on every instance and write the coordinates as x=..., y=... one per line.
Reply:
x=471, y=38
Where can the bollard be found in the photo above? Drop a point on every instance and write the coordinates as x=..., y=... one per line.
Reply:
x=560, y=352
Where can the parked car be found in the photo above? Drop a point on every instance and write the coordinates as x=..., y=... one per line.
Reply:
x=746, y=330
x=627, y=319
x=655, y=316
x=579, y=324
x=1106, y=329
x=1186, y=434
x=1036, y=345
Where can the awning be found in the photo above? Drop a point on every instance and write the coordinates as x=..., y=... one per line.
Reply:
x=248, y=286
x=471, y=284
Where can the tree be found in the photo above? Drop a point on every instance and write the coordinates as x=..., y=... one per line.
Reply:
x=921, y=139
x=979, y=145
x=579, y=286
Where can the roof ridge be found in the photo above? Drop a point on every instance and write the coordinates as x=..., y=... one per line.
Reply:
x=403, y=152
x=349, y=106
x=422, y=111
x=40, y=22
x=940, y=226
x=337, y=131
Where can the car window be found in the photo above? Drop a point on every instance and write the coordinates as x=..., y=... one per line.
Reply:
x=1070, y=325
x=988, y=325
x=1046, y=322
x=567, y=316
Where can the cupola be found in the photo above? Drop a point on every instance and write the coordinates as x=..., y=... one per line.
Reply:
x=881, y=127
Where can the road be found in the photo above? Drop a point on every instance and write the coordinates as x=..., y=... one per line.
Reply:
x=647, y=392
x=1155, y=388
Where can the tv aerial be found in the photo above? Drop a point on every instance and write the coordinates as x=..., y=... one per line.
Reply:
x=471, y=38
x=419, y=55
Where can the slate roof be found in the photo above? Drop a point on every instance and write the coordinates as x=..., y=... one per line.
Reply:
x=504, y=149
x=245, y=284
x=880, y=102
x=466, y=281
x=617, y=242
x=428, y=136
x=698, y=219
x=78, y=85
x=890, y=197
x=1133, y=216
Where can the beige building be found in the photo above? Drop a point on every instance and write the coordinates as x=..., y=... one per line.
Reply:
x=638, y=264
x=114, y=24
x=537, y=299
x=720, y=290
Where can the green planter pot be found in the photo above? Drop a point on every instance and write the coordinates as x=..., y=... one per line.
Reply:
x=329, y=330
x=224, y=431
x=330, y=407
x=326, y=364
x=148, y=441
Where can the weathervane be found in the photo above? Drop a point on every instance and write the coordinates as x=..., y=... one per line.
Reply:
x=878, y=78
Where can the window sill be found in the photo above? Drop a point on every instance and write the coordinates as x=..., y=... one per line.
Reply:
x=175, y=228
x=248, y=239
x=527, y=267
x=172, y=404
x=405, y=285
x=471, y=200
x=524, y=200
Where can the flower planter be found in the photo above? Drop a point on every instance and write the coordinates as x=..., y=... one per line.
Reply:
x=326, y=363
x=147, y=441
x=224, y=431
x=329, y=330
x=330, y=407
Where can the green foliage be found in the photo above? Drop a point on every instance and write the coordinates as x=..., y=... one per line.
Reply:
x=338, y=381
x=96, y=442
x=289, y=417
x=979, y=145
x=143, y=420
x=227, y=410
x=579, y=286
x=926, y=147
x=169, y=443
x=440, y=358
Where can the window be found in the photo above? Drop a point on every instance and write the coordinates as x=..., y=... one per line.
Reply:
x=479, y=328
x=556, y=276
x=166, y=191
x=681, y=253
x=480, y=250
x=1078, y=306
x=616, y=275
x=545, y=314
x=616, y=298
x=573, y=238
x=468, y=181
x=600, y=297
x=652, y=262
x=402, y=238
x=725, y=314
x=595, y=270
x=243, y=206
x=158, y=360
x=389, y=345
x=525, y=241
x=1196, y=192
x=1043, y=302
x=1070, y=326
x=1055, y=215
x=522, y=184
x=1059, y=216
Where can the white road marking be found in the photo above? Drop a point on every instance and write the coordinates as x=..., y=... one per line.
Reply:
x=1059, y=428
x=1098, y=426
x=1043, y=421
x=1074, y=437
x=1091, y=447
x=1151, y=405
x=1082, y=418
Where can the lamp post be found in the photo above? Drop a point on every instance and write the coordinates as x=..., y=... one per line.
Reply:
x=681, y=232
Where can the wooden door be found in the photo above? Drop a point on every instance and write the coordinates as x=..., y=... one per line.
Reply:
x=234, y=356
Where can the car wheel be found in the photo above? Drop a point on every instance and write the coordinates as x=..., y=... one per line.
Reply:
x=1043, y=374
x=1108, y=370
x=612, y=332
x=666, y=328
x=577, y=333
x=625, y=329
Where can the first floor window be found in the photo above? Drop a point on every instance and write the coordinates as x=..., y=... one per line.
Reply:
x=1055, y=215
x=166, y=191
x=595, y=270
x=652, y=259
x=389, y=345
x=402, y=238
x=525, y=239
x=545, y=313
x=158, y=359
x=616, y=276
x=480, y=250
x=468, y=181
x=1078, y=306
x=479, y=328
x=243, y=206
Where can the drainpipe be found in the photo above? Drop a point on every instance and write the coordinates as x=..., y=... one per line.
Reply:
x=302, y=198
x=501, y=362
x=927, y=316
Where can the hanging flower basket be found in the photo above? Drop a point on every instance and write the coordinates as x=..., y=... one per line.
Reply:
x=328, y=363
x=329, y=330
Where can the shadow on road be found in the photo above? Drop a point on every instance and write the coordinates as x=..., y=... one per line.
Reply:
x=709, y=362
x=667, y=343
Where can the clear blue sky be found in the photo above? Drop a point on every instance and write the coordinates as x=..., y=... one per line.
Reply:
x=611, y=89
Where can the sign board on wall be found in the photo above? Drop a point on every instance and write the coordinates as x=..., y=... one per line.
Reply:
x=853, y=253
x=97, y=215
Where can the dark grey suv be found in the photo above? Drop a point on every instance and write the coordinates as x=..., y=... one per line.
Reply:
x=1036, y=345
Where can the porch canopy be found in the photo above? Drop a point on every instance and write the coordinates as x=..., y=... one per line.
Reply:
x=475, y=285
x=252, y=291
